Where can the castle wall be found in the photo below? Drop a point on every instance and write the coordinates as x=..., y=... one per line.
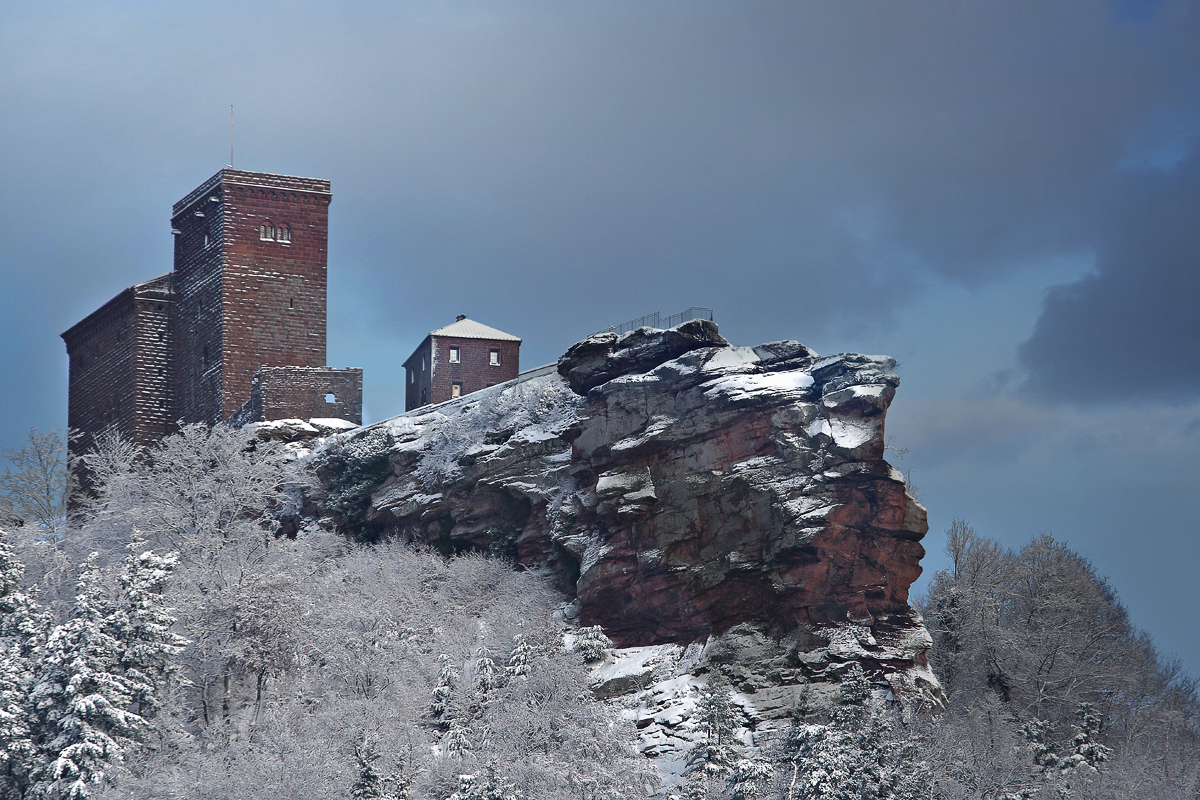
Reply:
x=119, y=367
x=303, y=393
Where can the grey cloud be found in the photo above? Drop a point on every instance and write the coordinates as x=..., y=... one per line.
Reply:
x=1131, y=331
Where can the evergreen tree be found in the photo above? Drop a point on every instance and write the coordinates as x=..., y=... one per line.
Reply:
x=485, y=671
x=521, y=658
x=143, y=624
x=22, y=630
x=493, y=787
x=17, y=751
x=592, y=644
x=22, y=623
x=750, y=778
x=369, y=784
x=853, y=756
x=1086, y=749
x=712, y=758
x=443, y=691
x=81, y=698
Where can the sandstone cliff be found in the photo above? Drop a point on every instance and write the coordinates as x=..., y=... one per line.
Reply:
x=710, y=506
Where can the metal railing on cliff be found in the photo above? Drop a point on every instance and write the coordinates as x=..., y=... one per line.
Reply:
x=657, y=320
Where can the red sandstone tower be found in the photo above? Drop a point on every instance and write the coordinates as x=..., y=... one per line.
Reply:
x=250, y=284
x=237, y=327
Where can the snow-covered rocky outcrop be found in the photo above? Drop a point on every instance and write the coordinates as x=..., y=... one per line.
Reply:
x=711, y=507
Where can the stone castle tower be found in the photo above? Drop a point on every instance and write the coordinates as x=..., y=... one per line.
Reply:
x=240, y=321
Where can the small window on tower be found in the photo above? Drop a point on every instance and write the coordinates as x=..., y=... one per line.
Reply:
x=266, y=232
x=330, y=397
x=455, y=355
x=285, y=233
x=494, y=358
x=456, y=390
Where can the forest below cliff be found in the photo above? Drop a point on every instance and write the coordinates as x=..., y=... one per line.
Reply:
x=172, y=642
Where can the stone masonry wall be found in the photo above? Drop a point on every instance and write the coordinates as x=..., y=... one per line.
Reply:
x=304, y=393
x=119, y=367
x=198, y=224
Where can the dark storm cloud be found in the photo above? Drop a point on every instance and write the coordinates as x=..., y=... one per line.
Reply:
x=1132, y=330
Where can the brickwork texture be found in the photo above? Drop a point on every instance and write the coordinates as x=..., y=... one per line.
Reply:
x=247, y=293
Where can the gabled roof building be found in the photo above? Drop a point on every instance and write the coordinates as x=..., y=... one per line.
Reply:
x=462, y=357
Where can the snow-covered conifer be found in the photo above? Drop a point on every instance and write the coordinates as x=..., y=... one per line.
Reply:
x=457, y=743
x=82, y=700
x=369, y=784
x=592, y=644
x=493, y=787
x=485, y=671
x=521, y=658
x=142, y=625
x=713, y=756
x=853, y=756
x=17, y=751
x=443, y=691
x=1086, y=749
x=22, y=623
x=750, y=778
x=22, y=630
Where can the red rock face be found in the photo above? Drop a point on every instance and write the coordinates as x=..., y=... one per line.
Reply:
x=685, y=487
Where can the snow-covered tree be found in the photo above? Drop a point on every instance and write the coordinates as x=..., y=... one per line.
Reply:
x=17, y=750
x=1086, y=748
x=854, y=756
x=489, y=787
x=712, y=758
x=592, y=644
x=486, y=673
x=22, y=632
x=750, y=778
x=521, y=657
x=22, y=622
x=443, y=690
x=142, y=624
x=81, y=698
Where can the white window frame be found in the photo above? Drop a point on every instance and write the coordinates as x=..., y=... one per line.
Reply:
x=493, y=357
x=455, y=355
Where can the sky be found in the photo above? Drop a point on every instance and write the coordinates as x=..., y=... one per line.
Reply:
x=1003, y=196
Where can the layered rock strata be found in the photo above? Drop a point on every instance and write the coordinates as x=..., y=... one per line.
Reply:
x=685, y=492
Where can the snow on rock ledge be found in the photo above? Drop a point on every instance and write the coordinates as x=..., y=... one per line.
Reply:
x=712, y=507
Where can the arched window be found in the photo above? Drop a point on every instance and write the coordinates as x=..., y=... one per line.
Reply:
x=283, y=233
x=266, y=232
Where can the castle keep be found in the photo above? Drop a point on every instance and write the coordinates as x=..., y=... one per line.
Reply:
x=237, y=327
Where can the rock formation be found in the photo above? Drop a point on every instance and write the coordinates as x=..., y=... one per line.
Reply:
x=709, y=506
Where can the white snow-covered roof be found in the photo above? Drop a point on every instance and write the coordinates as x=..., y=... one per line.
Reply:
x=470, y=329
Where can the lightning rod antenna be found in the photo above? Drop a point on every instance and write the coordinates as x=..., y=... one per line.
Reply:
x=231, y=134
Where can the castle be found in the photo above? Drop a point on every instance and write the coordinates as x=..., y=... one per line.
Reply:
x=236, y=331
x=237, y=328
